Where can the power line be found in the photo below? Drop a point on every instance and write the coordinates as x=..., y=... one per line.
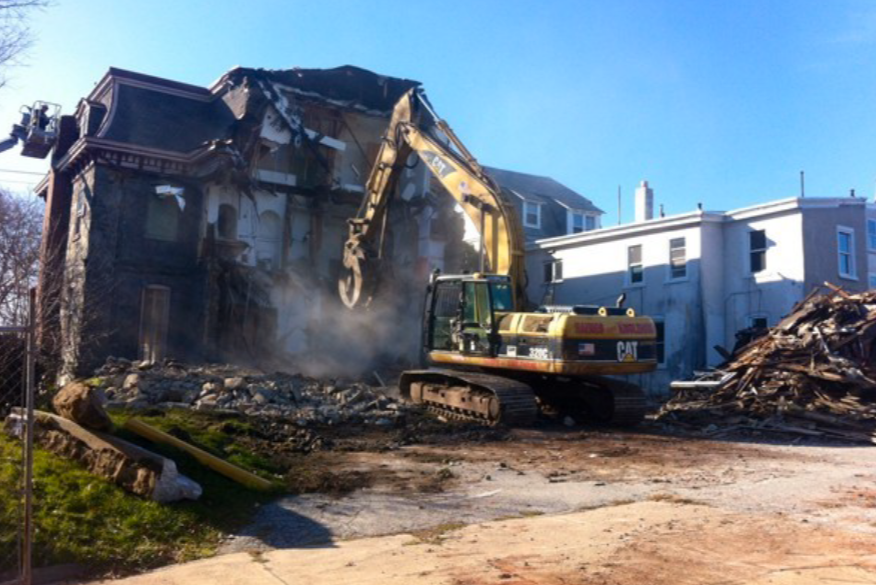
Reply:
x=22, y=172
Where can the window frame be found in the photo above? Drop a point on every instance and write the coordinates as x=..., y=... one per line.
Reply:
x=550, y=271
x=842, y=230
x=630, y=265
x=754, y=316
x=659, y=323
x=871, y=235
x=572, y=227
x=669, y=266
x=526, y=222
x=752, y=250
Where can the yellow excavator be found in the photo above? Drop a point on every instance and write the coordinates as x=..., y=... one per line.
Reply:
x=485, y=357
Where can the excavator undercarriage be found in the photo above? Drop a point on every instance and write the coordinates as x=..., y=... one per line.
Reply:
x=496, y=399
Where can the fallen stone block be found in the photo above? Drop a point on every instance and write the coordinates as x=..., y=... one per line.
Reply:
x=82, y=404
x=135, y=469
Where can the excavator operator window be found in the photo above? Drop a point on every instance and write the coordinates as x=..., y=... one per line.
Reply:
x=446, y=309
x=477, y=319
x=503, y=300
x=477, y=311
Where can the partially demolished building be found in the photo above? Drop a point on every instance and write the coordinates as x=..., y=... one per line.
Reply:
x=207, y=223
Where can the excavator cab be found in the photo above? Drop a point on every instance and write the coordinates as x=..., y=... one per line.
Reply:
x=37, y=129
x=462, y=313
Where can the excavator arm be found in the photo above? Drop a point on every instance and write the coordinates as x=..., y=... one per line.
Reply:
x=414, y=127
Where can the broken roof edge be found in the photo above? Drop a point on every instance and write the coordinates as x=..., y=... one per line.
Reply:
x=216, y=85
x=346, y=86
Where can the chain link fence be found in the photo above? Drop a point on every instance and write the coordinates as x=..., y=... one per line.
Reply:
x=16, y=454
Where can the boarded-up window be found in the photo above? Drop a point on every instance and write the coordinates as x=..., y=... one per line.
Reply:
x=162, y=218
x=154, y=317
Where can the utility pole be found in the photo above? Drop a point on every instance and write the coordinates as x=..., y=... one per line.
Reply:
x=802, y=185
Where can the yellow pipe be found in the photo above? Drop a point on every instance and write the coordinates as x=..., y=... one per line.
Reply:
x=218, y=465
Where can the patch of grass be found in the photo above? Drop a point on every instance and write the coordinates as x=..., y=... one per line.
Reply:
x=674, y=499
x=523, y=514
x=611, y=504
x=435, y=535
x=223, y=436
x=80, y=518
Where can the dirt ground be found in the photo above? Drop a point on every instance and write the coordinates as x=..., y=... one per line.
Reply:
x=557, y=505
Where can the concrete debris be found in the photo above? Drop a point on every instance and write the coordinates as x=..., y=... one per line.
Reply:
x=812, y=375
x=307, y=401
x=82, y=404
x=135, y=469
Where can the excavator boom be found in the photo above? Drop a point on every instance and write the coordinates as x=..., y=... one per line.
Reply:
x=416, y=128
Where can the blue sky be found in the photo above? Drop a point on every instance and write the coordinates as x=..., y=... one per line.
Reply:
x=715, y=102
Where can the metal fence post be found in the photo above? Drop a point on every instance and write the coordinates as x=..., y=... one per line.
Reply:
x=27, y=548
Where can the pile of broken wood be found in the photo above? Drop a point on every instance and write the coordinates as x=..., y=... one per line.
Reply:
x=813, y=374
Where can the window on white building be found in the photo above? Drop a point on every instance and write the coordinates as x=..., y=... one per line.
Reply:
x=531, y=214
x=872, y=280
x=757, y=245
x=660, y=342
x=871, y=235
x=845, y=246
x=589, y=222
x=758, y=321
x=635, y=269
x=553, y=271
x=677, y=259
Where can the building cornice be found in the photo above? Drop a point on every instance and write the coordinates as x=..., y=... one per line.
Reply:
x=126, y=154
x=629, y=229
x=696, y=217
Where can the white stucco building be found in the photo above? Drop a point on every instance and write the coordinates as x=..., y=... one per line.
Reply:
x=705, y=275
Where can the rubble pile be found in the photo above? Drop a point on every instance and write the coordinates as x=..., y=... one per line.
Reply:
x=304, y=400
x=814, y=374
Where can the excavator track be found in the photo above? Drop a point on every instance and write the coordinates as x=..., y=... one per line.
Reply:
x=482, y=398
x=613, y=401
